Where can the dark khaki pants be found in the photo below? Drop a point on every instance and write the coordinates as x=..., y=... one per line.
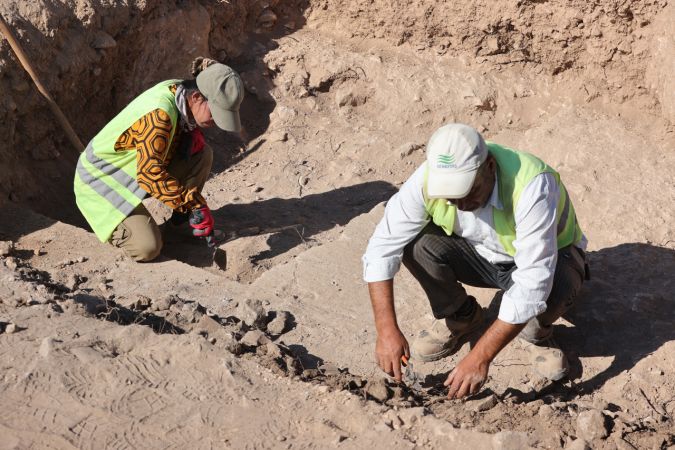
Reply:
x=138, y=235
x=442, y=263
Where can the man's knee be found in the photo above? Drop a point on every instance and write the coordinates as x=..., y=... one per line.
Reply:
x=147, y=251
x=139, y=237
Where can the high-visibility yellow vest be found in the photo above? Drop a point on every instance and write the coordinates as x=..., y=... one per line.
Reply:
x=105, y=186
x=515, y=170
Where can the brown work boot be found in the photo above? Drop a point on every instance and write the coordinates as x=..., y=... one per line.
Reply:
x=445, y=337
x=547, y=359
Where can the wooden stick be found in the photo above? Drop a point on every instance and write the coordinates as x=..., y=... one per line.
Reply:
x=4, y=28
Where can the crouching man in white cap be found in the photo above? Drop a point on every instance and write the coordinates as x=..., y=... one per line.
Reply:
x=485, y=215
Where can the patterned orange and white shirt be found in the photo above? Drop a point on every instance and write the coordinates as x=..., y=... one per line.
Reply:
x=150, y=136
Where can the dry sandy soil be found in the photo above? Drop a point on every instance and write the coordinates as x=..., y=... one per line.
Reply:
x=275, y=349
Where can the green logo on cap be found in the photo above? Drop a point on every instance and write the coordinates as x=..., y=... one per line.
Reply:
x=445, y=161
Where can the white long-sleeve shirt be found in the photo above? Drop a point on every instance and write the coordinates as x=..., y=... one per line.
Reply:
x=536, y=241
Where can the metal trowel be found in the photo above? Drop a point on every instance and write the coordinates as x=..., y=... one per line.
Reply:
x=410, y=377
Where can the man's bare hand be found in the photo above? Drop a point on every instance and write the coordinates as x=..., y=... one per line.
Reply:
x=468, y=377
x=390, y=346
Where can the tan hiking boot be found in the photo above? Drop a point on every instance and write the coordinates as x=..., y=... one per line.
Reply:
x=441, y=341
x=547, y=359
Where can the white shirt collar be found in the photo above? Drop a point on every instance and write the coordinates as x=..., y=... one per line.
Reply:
x=494, y=197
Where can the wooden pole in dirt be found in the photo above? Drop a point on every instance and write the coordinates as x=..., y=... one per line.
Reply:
x=4, y=28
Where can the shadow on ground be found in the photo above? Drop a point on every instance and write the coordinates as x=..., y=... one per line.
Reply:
x=626, y=311
x=308, y=215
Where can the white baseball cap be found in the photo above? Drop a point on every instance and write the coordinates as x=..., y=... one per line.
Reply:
x=454, y=154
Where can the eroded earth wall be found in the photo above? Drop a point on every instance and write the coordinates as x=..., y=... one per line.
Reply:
x=94, y=56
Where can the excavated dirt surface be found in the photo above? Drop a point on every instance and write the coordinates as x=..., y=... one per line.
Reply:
x=274, y=347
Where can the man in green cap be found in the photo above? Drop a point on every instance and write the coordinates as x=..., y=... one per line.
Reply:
x=155, y=146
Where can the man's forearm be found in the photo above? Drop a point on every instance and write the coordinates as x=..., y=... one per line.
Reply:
x=382, y=300
x=495, y=339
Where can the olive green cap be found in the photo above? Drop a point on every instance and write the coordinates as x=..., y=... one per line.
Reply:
x=224, y=91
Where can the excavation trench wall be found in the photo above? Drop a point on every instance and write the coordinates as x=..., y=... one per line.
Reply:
x=94, y=56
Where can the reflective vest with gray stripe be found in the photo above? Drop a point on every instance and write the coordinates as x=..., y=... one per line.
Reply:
x=515, y=170
x=105, y=186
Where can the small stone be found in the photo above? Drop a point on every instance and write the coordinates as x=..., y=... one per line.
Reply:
x=273, y=350
x=278, y=325
x=378, y=390
x=592, y=424
x=163, y=303
x=254, y=338
x=6, y=247
x=482, y=404
x=11, y=263
x=11, y=328
x=142, y=303
x=252, y=313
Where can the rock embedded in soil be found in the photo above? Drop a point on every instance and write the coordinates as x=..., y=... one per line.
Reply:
x=592, y=424
x=254, y=338
x=11, y=328
x=163, y=303
x=482, y=404
x=279, y=323
x=252, y=313
x=378, y=390
x=11, y=263
x=6, y=247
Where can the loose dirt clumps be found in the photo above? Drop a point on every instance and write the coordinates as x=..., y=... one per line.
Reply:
x=269, y=342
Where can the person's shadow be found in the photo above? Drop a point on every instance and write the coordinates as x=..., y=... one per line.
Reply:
x=296, y=220
x=625, y=311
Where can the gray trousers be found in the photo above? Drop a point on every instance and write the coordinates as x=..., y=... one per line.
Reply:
x=441, y=263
